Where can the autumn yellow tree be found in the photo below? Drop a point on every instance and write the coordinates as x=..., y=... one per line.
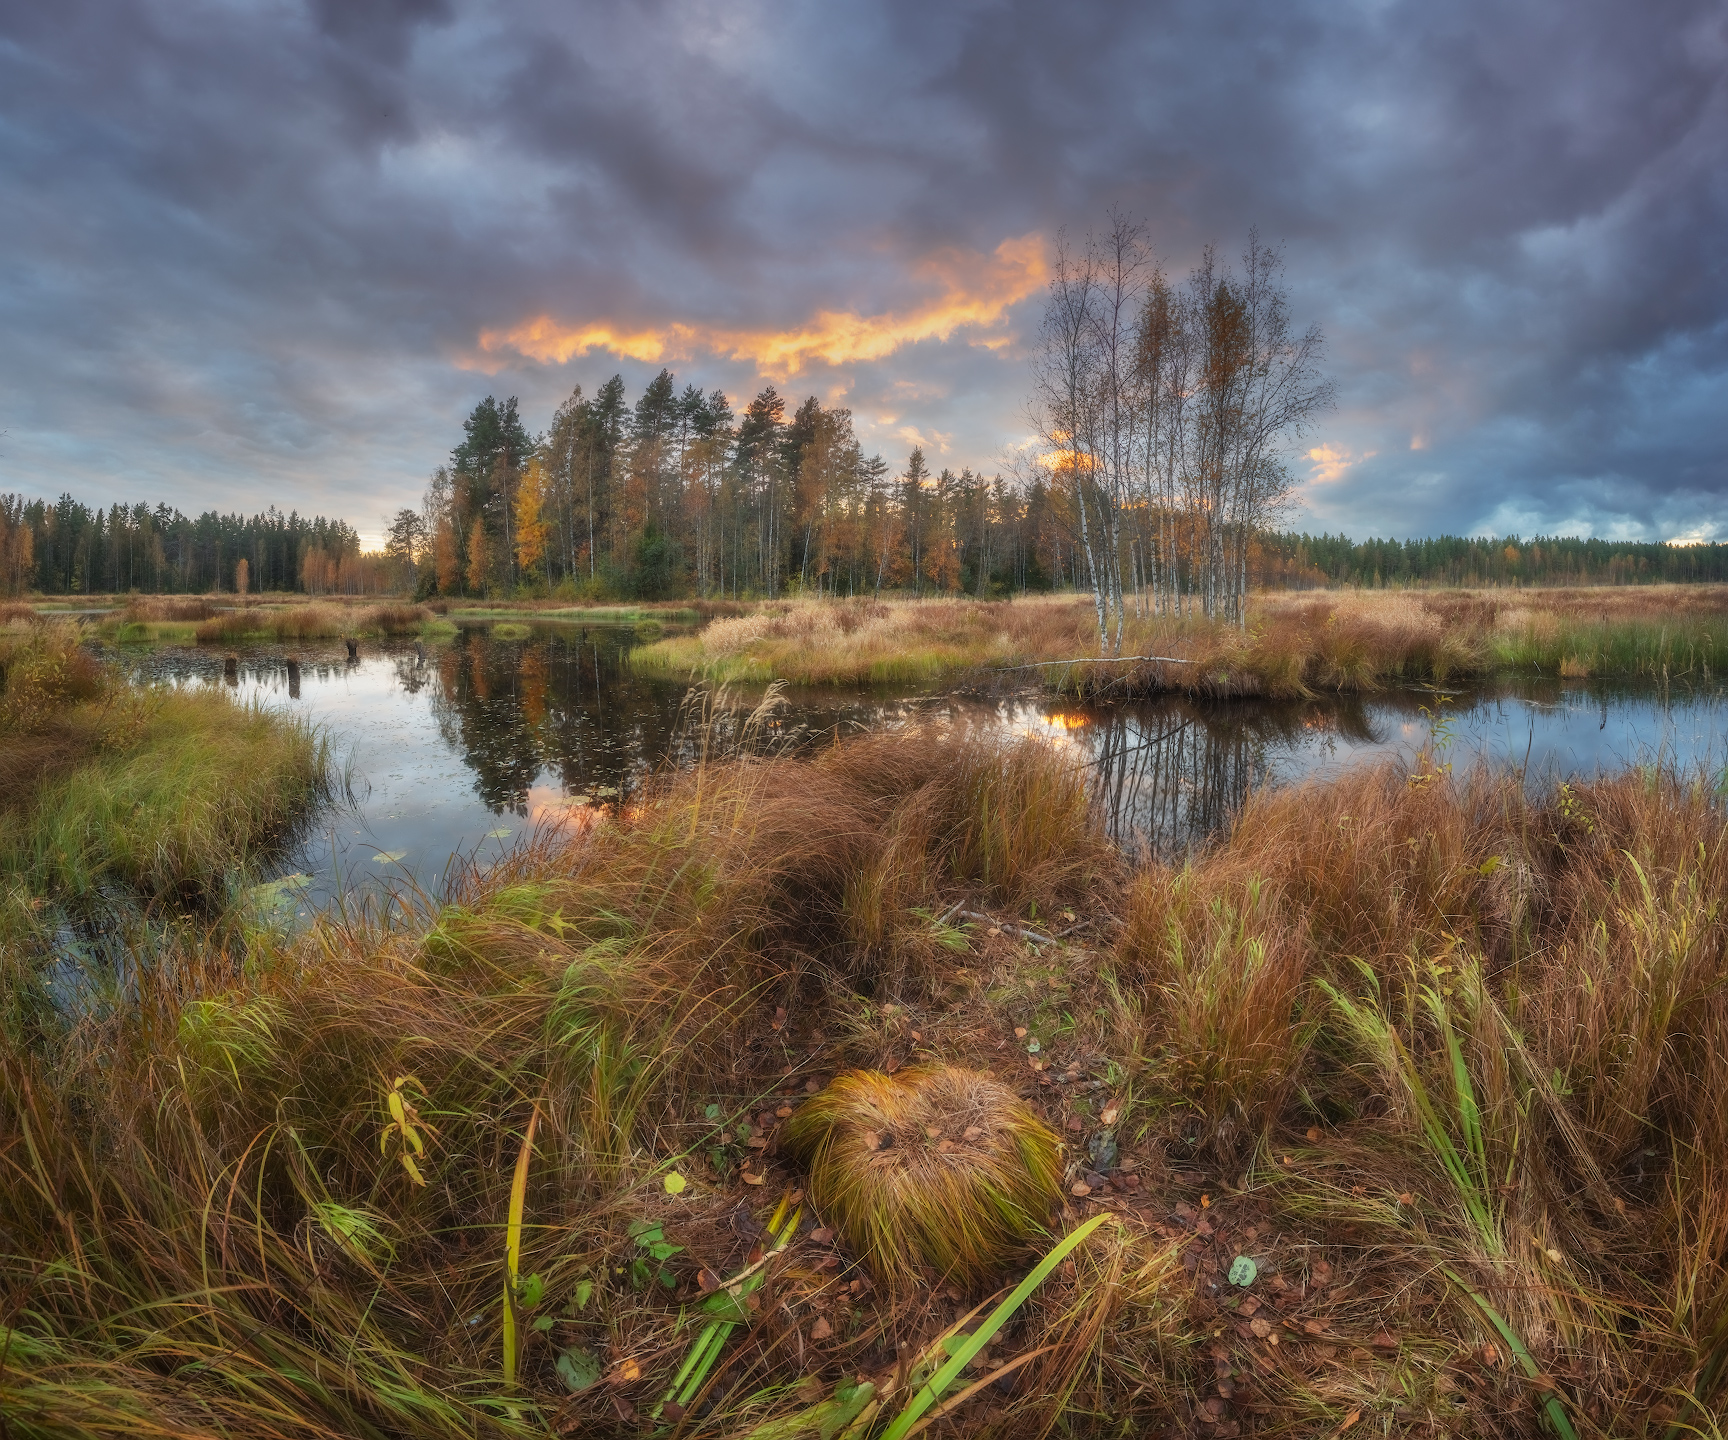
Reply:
x=477, y=557
x=531, y=496
x=242, y=577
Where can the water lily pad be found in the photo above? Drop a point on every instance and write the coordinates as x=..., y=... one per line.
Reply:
x=1243, y=1271
x=388, y=857
x=500, y=833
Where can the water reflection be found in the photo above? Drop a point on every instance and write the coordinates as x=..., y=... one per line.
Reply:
x=458, y=749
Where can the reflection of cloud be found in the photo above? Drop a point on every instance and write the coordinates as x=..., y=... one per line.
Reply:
x=1331, y=461
x=974, y=292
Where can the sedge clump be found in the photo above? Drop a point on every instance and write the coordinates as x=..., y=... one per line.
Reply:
x=937, y=1168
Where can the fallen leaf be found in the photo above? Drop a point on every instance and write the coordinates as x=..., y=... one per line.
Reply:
x=1080, y=1188
x=971, y=1132
x=1350, y=1420
x=872, y=1141
x=1248, y=1306
x=783, y=1111
x=932, y=1132
x=1314, y=1327
x=1074, y=1122
x=821, y=1330
x=916, y=1037
x=779, y=1021
x=1406, y=1198
x=1554, y=1256
x=1313, y=1133
x=812, y=1085
x=674, y=1183
x=673, y=1411
x=1109, y=1115
x=824, y=1236
x=810, y=1391
x=708, y=1280
x=1385, y=1340
x=750, y=1179
x=1019, y=1032
x=1490, y=1356
x=1261, y=1328
x=1205, y=1202
x=944, y=1146
x=624, y=1410
x=626, y=1371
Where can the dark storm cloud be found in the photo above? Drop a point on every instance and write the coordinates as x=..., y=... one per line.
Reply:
x=250, y=251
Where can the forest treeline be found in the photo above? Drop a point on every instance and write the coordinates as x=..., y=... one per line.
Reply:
x=676, y=495
x=679, y=495
x=1296, y=561
x=65, y=547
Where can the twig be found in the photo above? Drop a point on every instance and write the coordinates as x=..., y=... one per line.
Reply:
x=1020, y=930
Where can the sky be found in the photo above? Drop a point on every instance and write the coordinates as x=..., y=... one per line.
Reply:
x=272, y=253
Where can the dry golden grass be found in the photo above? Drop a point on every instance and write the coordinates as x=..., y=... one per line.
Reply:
x=1296, y=643
x=934, y=1174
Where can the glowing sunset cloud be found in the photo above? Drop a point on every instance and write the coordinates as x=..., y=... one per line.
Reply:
x=1331, y=461
x=974, y=292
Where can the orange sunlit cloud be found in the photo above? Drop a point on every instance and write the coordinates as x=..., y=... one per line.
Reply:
x=973, y=292
x=1330, y=462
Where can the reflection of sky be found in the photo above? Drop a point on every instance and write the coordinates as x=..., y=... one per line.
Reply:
x=467, y=752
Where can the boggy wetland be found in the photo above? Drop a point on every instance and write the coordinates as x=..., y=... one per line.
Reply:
x=515, y=1024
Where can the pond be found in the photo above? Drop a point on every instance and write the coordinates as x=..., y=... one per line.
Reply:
x=455, y=751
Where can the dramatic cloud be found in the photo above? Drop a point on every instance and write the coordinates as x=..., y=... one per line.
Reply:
x=272, y=253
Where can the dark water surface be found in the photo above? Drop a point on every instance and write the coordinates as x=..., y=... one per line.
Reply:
x=461, y=751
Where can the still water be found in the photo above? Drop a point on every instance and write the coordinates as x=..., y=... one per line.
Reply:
x=456, y=753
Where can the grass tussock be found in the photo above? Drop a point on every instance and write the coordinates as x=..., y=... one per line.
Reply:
x=934, y=1172
x=1406, y=1092
x=1295, y=644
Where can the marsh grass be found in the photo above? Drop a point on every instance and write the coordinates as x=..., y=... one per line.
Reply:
x=1295, y=644
x=312, y=622
x=1442, y=1055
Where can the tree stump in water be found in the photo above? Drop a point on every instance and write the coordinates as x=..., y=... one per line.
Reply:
x=293, y=677
x=353, y=649
x=231, y=669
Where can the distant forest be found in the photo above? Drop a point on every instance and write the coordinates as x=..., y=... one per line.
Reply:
x=65, y=547
x=677, y=496
x=1296, y=561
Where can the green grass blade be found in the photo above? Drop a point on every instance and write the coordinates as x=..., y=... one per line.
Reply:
x=1556, y=1411
x=931, y=1391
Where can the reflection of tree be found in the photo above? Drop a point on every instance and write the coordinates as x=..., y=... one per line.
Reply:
x=1167, y=774
x=566, y=701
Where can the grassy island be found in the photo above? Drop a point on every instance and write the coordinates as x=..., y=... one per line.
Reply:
x=1295, y=642
x=112, y=795
x=1400, y=1107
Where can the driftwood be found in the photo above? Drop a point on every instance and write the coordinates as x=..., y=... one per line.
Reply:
x=1098, y=660
x=1006, y=927
x=353, y=649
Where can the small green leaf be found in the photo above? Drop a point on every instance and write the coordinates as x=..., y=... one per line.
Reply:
x=668, y=1279
x=578, y=1369
x=1033, y=1047
x=664, y=1251
x=1243, y=1271
x=675, y=1183
x=724, y=1305
x=712, y=1112
x=543, y=1323
x=530, y=1290
x=584, y=1293
x=1490, y=865
x=644, y=1232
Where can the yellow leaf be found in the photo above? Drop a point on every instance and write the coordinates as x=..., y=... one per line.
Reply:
x=412, y=1169
x=394, y=1100
x=675, y=1184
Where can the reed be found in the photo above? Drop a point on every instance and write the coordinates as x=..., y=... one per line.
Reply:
x=311, y=622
